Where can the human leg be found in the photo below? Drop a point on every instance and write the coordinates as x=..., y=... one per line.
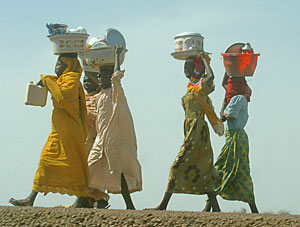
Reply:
x=24, y=202
x=234, y=181
x=126, y=194
x=207, y=207
x=213, y=201
x=253, y=208
x=164, y=203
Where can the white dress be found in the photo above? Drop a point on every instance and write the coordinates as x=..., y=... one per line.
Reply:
x=115, y=149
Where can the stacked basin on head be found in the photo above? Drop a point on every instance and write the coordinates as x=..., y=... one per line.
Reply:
x=241, y=64
x=188, y=45
x=101, y=52
x=66, y=40
x=63, y=40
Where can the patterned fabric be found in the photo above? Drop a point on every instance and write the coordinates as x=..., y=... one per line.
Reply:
x=199, y=68
x=206, y=105
x=192, y=171
x=234, y=181
x=63, y=166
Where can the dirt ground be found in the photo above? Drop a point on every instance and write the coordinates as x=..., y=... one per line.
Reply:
x=52, y=217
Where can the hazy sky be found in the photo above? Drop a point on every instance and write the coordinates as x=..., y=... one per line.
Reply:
x=154, y=84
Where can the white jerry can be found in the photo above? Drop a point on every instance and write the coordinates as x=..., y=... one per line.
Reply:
x=35, y=95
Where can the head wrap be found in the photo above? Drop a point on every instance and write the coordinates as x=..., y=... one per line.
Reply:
x=237, y=86
x=199, y=69
x=68, y=55
x=73, y=64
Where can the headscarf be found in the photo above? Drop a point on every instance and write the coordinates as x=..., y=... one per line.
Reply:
x=199, y=69
x=73, y=65
x=237, y=86
x=68, y=79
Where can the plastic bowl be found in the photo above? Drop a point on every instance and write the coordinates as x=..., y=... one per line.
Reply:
x=98, y=57
x=68, y=43
x=240, y=64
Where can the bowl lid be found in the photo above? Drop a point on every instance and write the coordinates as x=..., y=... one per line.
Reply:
x=114, y=37
x=188, y=34
x=239, y=54
x=235, y=48
x=96, y=43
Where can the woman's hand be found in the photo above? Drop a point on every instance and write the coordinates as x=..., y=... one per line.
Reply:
x=119, y=50
x=204, y=57
x=40, y=83
x=118, y=75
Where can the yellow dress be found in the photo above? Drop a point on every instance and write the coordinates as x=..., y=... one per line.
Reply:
x=63, y=166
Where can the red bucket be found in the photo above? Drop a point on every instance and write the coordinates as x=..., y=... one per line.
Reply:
x=240, y=64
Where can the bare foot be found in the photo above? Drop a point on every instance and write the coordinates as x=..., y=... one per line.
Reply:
x=22, y=202
x=83, y=202
x=164, y=203
x=102, y=204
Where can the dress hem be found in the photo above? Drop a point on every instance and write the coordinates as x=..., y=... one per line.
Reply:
x=189, y=192
x=60, y=190
x=115, y=191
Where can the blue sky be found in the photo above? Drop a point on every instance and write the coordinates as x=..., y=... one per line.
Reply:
x=154, y=84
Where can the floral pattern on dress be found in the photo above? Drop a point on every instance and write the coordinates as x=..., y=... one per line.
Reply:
x=192, y=170
x=192, y=173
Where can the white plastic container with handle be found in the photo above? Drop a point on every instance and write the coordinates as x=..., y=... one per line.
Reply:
x=35, y=95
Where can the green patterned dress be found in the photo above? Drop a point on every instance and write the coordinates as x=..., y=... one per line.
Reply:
x=234, y=181
x=192, y=170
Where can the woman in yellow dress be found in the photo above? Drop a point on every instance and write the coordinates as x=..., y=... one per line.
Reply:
x=63, y=167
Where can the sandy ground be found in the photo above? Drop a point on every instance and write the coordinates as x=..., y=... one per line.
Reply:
x=52, y=217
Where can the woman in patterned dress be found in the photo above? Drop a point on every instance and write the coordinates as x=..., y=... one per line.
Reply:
x=234, y=181
x=192, y=172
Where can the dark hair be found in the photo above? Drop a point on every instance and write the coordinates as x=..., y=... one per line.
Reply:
x=68, y=55
x=107, y=67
